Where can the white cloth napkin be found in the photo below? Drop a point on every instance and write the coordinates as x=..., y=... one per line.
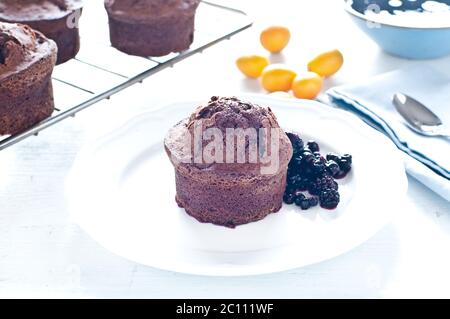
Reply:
x=428, y=158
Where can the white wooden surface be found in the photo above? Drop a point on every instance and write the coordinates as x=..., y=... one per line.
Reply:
x=43, y=255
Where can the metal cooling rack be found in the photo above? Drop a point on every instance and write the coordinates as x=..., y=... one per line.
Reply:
x=100, y=71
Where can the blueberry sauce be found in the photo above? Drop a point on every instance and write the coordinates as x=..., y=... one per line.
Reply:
x=309, y=171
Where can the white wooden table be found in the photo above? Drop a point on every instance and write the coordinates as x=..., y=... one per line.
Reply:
x=43, y=255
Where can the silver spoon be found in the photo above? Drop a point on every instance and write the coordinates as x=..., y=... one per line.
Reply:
x=418, y=117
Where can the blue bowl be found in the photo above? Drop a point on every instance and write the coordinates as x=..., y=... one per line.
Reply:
x=405, y=36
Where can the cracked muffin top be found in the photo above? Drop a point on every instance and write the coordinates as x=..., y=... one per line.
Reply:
x=20, y=46
x=221, y=114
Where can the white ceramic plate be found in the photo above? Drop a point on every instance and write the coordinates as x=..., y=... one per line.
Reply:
x=121, y=191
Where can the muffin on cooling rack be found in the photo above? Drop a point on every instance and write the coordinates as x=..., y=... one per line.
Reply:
x=151, y=27
x=27, y=59
x=229, y=191
x=56, y=19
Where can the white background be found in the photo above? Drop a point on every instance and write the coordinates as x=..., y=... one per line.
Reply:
x=43, y=255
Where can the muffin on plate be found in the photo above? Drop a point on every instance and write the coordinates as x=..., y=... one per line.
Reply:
x=151, y=27
x=27, y=59
x=238, y=179
x=56, y=19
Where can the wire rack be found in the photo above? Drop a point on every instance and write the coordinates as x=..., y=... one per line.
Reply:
x=100, y=71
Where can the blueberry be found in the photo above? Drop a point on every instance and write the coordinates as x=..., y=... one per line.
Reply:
x=340, y=175
x=321, y=184
x=294, y=180
x=296, y=141
x=308, y=172
x=345, y=165
x=289, y=199
x=290, y=189
x=303, y=186
x=329, y=199
x=316, y=154
x=313, y=201
x=296, y=161
x=306, y=152
x=332, y=167
x=309, y=158
x=333, y=157
x=304, y=204
x=318, y=168
x=291, y=172
x=347, y=157
x=299, y=195
x=313, y=146
x=299, y=200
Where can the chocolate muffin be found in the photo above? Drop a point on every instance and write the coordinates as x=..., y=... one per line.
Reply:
x=56, y=19
x=151, y=27
x=27, y=59
x=238, y=185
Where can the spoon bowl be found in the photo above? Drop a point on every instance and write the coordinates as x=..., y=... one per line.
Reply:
x=418, y=117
